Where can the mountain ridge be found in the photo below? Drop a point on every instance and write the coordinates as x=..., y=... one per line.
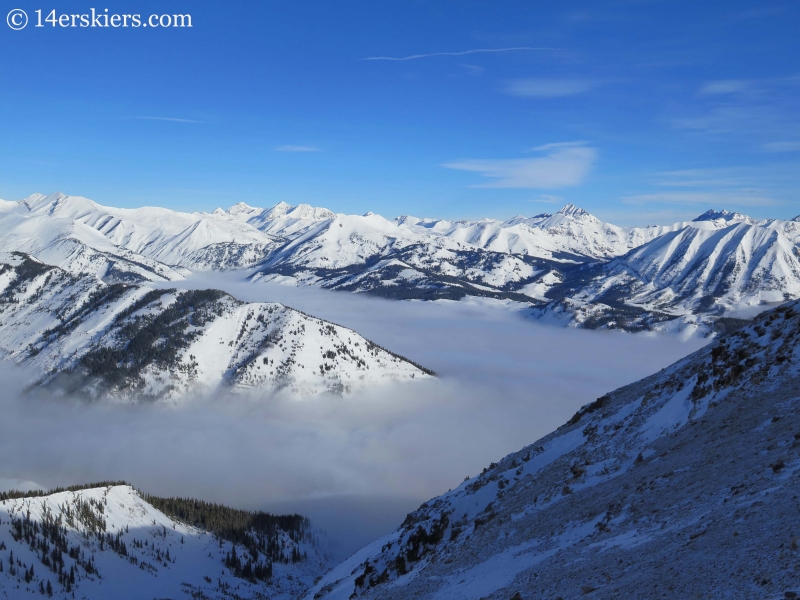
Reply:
x=676, y=485
x=571, y=267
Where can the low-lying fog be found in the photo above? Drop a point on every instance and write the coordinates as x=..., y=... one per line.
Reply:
x=357, y=464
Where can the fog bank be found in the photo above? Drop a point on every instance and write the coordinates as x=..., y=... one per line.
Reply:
x=356, y=463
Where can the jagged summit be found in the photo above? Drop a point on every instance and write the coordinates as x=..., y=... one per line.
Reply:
x=571, y=210
x=725, y=215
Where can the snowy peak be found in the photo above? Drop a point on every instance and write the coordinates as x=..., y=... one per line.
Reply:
x=724, y=215
x=242, y=208
x=570, y=210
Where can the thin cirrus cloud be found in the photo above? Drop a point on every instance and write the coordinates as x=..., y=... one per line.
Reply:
x=461, y=53
x=168, y=119
x=564, y=165
x=712, y=187
x=725, y=86
x=548, y=88
x=296, y=148
x=781, y=147
x=728, y=198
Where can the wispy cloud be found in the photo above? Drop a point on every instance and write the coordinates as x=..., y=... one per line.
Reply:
x=292, y=148
x=564, y=166
x=728, y=198
x=461, y=53
x=726, y=86
x=548, y=88
x=556, y=146
x=781, y=147
x=474, y=69
x=701, y=178
x=547, y=199
x=714, y=187
x=169, y=119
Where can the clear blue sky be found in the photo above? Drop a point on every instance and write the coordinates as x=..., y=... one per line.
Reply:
x=640, y=111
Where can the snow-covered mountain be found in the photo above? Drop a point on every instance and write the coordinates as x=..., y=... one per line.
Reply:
x=574, y=267
x=131, y=341
x=682, y=273
x=116, y=244
x=681, y=485
x=570, y=234
x=110, y=541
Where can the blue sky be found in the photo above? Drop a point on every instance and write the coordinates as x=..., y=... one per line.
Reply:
x=640, y=111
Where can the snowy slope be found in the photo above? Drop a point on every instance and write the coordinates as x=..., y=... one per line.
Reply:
x=686, y=272
x=131, y=341
x=571, y=233
x=151, y=239
x=370, y=253
x=682, y=485
x=117, y=545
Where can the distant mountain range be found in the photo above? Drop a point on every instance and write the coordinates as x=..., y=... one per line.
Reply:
x=681, y=485
x=569, y=266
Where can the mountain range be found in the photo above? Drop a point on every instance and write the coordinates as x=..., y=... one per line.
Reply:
x=569, y=267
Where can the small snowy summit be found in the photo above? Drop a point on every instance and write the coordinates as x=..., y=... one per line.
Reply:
x=110, y=541
x=681, y=485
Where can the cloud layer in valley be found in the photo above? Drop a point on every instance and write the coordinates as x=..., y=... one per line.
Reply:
x=505, y=381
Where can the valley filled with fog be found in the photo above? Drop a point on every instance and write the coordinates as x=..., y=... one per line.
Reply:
x=357, y=463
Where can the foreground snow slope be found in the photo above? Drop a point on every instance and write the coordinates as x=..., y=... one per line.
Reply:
x=108, y=542
x=682, y=485
x=131, y=341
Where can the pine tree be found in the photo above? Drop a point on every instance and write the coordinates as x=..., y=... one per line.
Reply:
x=49, y=588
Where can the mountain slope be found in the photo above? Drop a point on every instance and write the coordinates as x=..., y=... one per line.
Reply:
x=681, y=485
x=682, y=273
x=111, y=542
x=148, y=243
x=132, y=341
x=568, y=235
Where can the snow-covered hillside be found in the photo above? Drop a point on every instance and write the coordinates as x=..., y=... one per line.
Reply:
x=132, y=341
x=574, y=267
x=684, y=273
x=110, y=542
x=682, y=485
x=116, y=244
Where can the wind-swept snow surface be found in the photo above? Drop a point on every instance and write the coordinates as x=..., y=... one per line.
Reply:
x=681, y=485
